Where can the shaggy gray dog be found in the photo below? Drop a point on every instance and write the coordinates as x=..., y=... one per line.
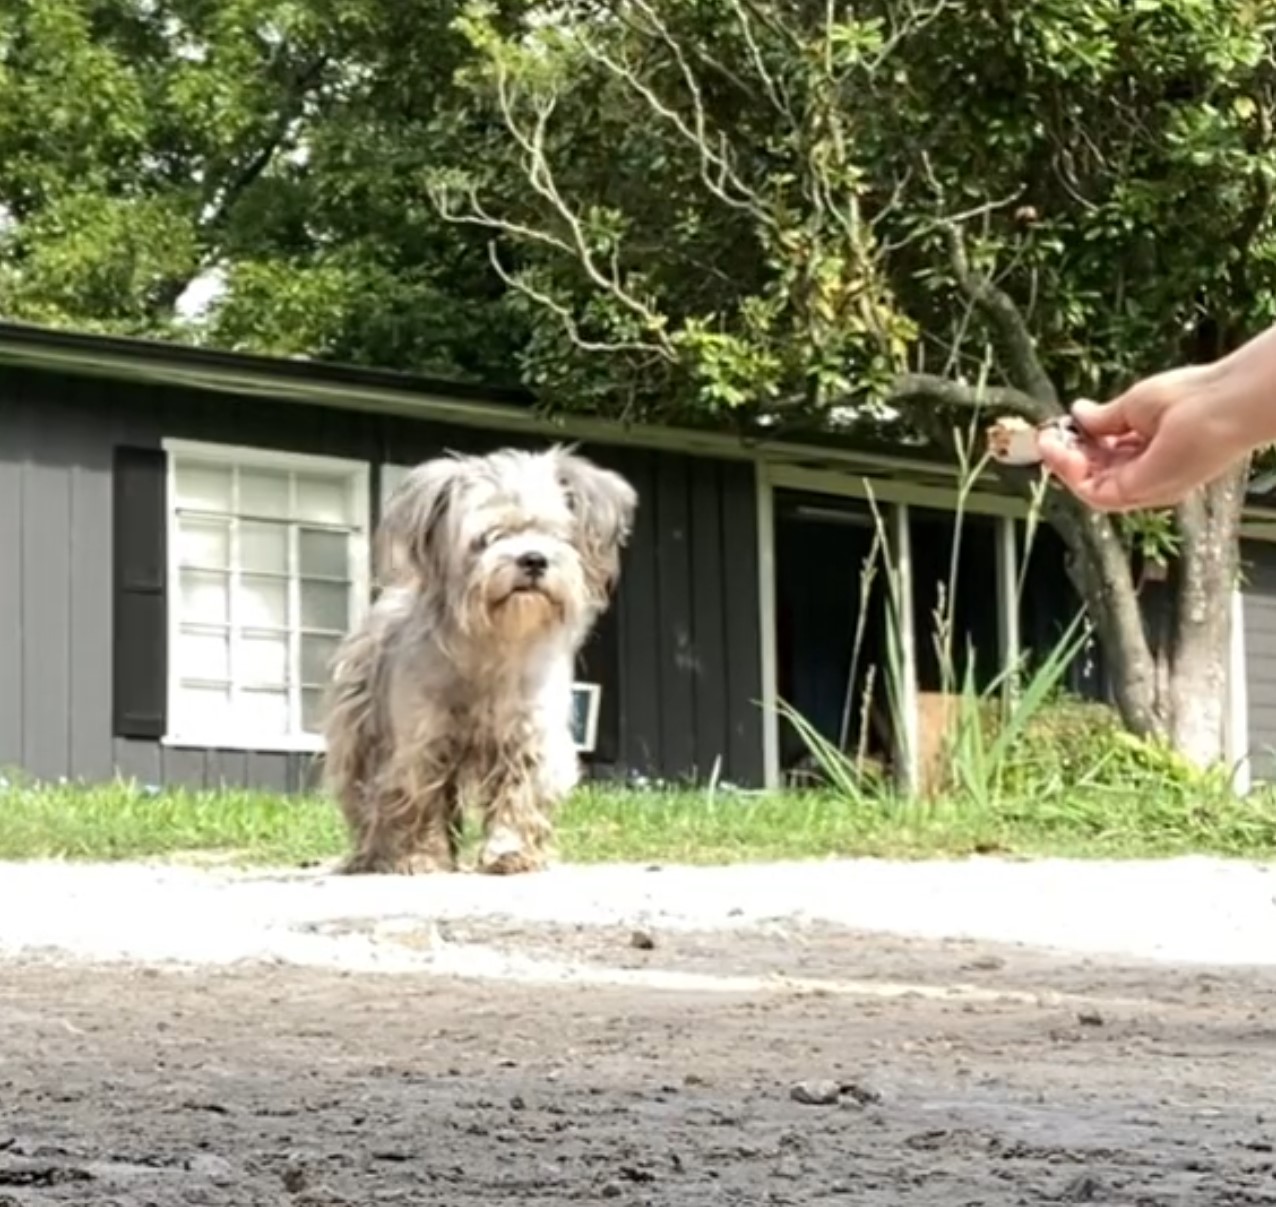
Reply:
x=455, y=692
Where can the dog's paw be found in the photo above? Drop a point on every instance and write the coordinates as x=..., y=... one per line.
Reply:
x=513, y=863
x=416, y=864
x=506, y=854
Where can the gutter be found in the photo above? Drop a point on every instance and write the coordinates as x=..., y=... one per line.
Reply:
x=154, y=363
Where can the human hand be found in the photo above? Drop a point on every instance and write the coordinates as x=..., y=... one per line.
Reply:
x=1149, y=447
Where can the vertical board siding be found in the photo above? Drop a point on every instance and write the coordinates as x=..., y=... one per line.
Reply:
x=686, y=616
x=678, y=644
x=743, y=623
x=227, y=769
x=46, y=596
x=12, y=447
x=640, y=746
x=708, y=557
x=138, y=760
x=91, y=622
x=1259, y=609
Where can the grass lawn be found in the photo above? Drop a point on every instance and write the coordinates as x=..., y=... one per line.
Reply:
x=120, y=821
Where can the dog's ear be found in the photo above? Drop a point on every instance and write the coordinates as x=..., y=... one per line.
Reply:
x=412, y=521
x=604, y=505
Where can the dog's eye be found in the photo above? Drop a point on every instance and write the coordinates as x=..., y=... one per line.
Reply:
x=483, y=540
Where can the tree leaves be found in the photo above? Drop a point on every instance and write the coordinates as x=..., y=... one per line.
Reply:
x=270, y=155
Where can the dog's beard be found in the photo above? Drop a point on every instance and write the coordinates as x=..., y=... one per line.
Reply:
x=515, y=609
x=525, y=613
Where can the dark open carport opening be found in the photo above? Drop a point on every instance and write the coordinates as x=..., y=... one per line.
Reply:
x=823, y=546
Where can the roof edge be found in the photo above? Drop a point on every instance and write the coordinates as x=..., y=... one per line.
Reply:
x=382, y=391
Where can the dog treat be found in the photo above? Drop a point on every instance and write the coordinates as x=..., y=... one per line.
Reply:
x=1014, y=441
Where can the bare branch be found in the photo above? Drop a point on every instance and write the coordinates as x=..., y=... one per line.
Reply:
x=775, y=91
x=1007, y=322
x=944, y=391
x=541, y=177
x=478, y=216
x=660, y=347
x=716, y=170
x=913, y=24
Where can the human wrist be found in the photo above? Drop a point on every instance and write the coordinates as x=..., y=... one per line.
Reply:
x=1239, y=393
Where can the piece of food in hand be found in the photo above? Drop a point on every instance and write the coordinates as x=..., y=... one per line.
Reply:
x=1015, y=441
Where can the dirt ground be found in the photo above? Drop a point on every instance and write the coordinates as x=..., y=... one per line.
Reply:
x=959, y=1073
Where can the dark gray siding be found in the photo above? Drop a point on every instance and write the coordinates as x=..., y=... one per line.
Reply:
x=1259, y=566
x=687, y=625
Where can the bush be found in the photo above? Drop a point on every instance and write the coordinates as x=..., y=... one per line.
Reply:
x=1072, y=744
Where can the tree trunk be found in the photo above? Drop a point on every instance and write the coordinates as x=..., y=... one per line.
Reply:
x=1175, y=689
x=1099, y=566
x=1209, y=526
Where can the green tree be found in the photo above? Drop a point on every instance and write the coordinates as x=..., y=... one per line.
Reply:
x=759, y=212
x=276, y=150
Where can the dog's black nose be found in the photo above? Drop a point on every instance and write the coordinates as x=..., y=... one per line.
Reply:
x=533, y=564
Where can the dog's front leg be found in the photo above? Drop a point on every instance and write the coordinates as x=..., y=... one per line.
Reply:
x=516, y=827
x=522, y=791
x=412, y=827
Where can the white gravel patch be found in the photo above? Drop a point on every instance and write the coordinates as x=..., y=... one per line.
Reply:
x=1185, y=910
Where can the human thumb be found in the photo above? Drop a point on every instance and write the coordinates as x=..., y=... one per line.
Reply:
x=1103, y=418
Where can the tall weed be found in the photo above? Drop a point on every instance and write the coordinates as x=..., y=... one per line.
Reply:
x=1017, y=742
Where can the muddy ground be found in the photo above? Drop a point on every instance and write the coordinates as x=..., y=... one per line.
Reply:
x=962, y=1073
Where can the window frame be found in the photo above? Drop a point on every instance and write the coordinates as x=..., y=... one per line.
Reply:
x=358, y=475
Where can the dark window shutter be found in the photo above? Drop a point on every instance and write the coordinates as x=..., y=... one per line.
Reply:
x=141, y=615
x=599, y=662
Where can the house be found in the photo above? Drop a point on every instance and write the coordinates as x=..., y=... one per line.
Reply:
x=186, y=535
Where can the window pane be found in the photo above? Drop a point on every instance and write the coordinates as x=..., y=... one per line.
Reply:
x=204, y=543
x=312, y=710
x=203, y=487
x=205, y=596
x=324, y=554
x=324, y=605
x=263, y=547
x=263, y=492
x=265, y=659
x=262, y=603
x=316, y=658
x=203, y=655
x=263, y=712
x=323, y=500
x=202, y=708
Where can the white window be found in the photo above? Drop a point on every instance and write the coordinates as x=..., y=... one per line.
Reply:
x=267, y=571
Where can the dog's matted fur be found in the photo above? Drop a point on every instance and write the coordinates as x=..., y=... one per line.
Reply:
x=455, y=692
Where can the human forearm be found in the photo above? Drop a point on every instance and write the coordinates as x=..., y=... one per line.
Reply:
x=1241, y=393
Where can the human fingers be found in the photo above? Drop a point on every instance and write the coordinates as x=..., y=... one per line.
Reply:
x=1122, y=474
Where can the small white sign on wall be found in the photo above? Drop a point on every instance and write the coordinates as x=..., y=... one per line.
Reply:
x=586, y=699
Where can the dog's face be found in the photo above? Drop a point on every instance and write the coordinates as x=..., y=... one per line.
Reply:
x=516, y=543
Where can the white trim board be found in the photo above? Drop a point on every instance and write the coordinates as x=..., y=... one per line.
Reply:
x=888, y=490
x=764, y=503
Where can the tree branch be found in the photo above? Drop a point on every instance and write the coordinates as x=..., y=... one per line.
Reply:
x=238, y=182
x=575, y=243
x=914, y=388
x=1010, y=331
x=226, y=193
x=716, y=170
x=660, y=348
x=775, y=90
